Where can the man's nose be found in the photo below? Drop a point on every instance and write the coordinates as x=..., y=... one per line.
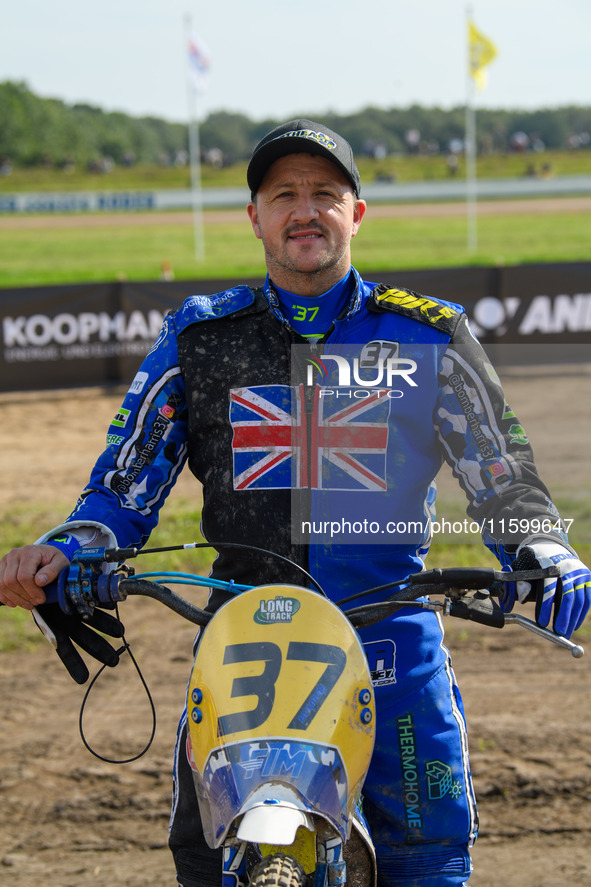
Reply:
x=305, y=209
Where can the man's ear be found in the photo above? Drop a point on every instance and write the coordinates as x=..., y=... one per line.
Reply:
x=358, y=213
x=254, y=218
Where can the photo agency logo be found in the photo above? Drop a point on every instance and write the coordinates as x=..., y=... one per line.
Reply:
x=377, y=367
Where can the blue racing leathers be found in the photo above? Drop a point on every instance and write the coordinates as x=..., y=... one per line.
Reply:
x=326, y=453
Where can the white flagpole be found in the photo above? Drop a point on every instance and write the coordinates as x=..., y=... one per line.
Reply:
x=194, y=156
x=470, y=149
x=471, y=187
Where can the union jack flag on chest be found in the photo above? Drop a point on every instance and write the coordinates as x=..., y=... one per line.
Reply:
x=281, y=440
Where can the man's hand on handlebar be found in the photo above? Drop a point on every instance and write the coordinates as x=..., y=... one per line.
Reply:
x=562, y=600
x=24, y=571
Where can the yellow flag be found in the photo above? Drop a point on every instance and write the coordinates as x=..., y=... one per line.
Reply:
x=481, y=53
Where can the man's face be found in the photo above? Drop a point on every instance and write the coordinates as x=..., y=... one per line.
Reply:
x=306, y=213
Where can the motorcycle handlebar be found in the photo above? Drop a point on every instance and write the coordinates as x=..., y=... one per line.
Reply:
x=81, y=590
x=82, y=586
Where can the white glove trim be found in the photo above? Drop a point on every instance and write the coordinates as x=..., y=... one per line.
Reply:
x=530, y=541
x=105, y=537
x=48, y=633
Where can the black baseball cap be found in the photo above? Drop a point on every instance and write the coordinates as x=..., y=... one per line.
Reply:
x=302, y=137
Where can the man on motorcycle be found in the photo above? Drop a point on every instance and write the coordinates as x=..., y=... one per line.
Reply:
x=253, y=388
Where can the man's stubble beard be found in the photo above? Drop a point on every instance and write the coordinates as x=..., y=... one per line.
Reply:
x=324, y=265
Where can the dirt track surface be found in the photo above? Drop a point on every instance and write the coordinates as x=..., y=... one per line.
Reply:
x=69, y=820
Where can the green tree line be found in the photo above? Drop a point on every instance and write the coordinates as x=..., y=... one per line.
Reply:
x=36, y=131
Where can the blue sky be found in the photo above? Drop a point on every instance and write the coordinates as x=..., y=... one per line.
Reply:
x=270, y=59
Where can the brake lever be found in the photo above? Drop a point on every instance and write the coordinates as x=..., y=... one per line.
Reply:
x=576, y=649
x=482, y=608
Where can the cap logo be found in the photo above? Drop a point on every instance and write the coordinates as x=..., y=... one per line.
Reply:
x=319, y=137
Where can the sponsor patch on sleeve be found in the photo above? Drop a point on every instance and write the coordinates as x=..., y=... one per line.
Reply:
x=433, y=312
x=215, y=306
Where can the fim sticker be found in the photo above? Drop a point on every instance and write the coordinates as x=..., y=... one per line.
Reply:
x=440, y=781
x=278, y=609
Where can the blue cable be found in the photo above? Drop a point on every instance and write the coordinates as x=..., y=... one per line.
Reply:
x=192, y=579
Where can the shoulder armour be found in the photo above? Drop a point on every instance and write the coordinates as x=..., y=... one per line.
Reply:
x=218, y=305
x=444, y=316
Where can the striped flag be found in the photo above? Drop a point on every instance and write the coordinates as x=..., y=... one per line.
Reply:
x=199, y=64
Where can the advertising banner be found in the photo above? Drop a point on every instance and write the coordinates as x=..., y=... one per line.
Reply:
x=97, y=334
x=76, y=336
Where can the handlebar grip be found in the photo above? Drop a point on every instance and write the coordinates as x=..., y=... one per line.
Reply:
x=456, y=577
x=51, y=593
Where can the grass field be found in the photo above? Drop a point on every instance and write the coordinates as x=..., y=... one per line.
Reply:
x=81, y=249
x=45, y=252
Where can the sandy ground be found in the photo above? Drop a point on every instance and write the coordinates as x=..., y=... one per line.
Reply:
x=70, y=820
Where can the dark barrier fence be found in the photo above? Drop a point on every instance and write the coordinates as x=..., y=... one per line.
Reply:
x=97, y=334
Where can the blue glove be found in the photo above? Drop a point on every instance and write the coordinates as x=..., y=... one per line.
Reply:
x=568, y=595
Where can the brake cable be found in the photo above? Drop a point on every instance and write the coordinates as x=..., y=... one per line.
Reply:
x=125, y=648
